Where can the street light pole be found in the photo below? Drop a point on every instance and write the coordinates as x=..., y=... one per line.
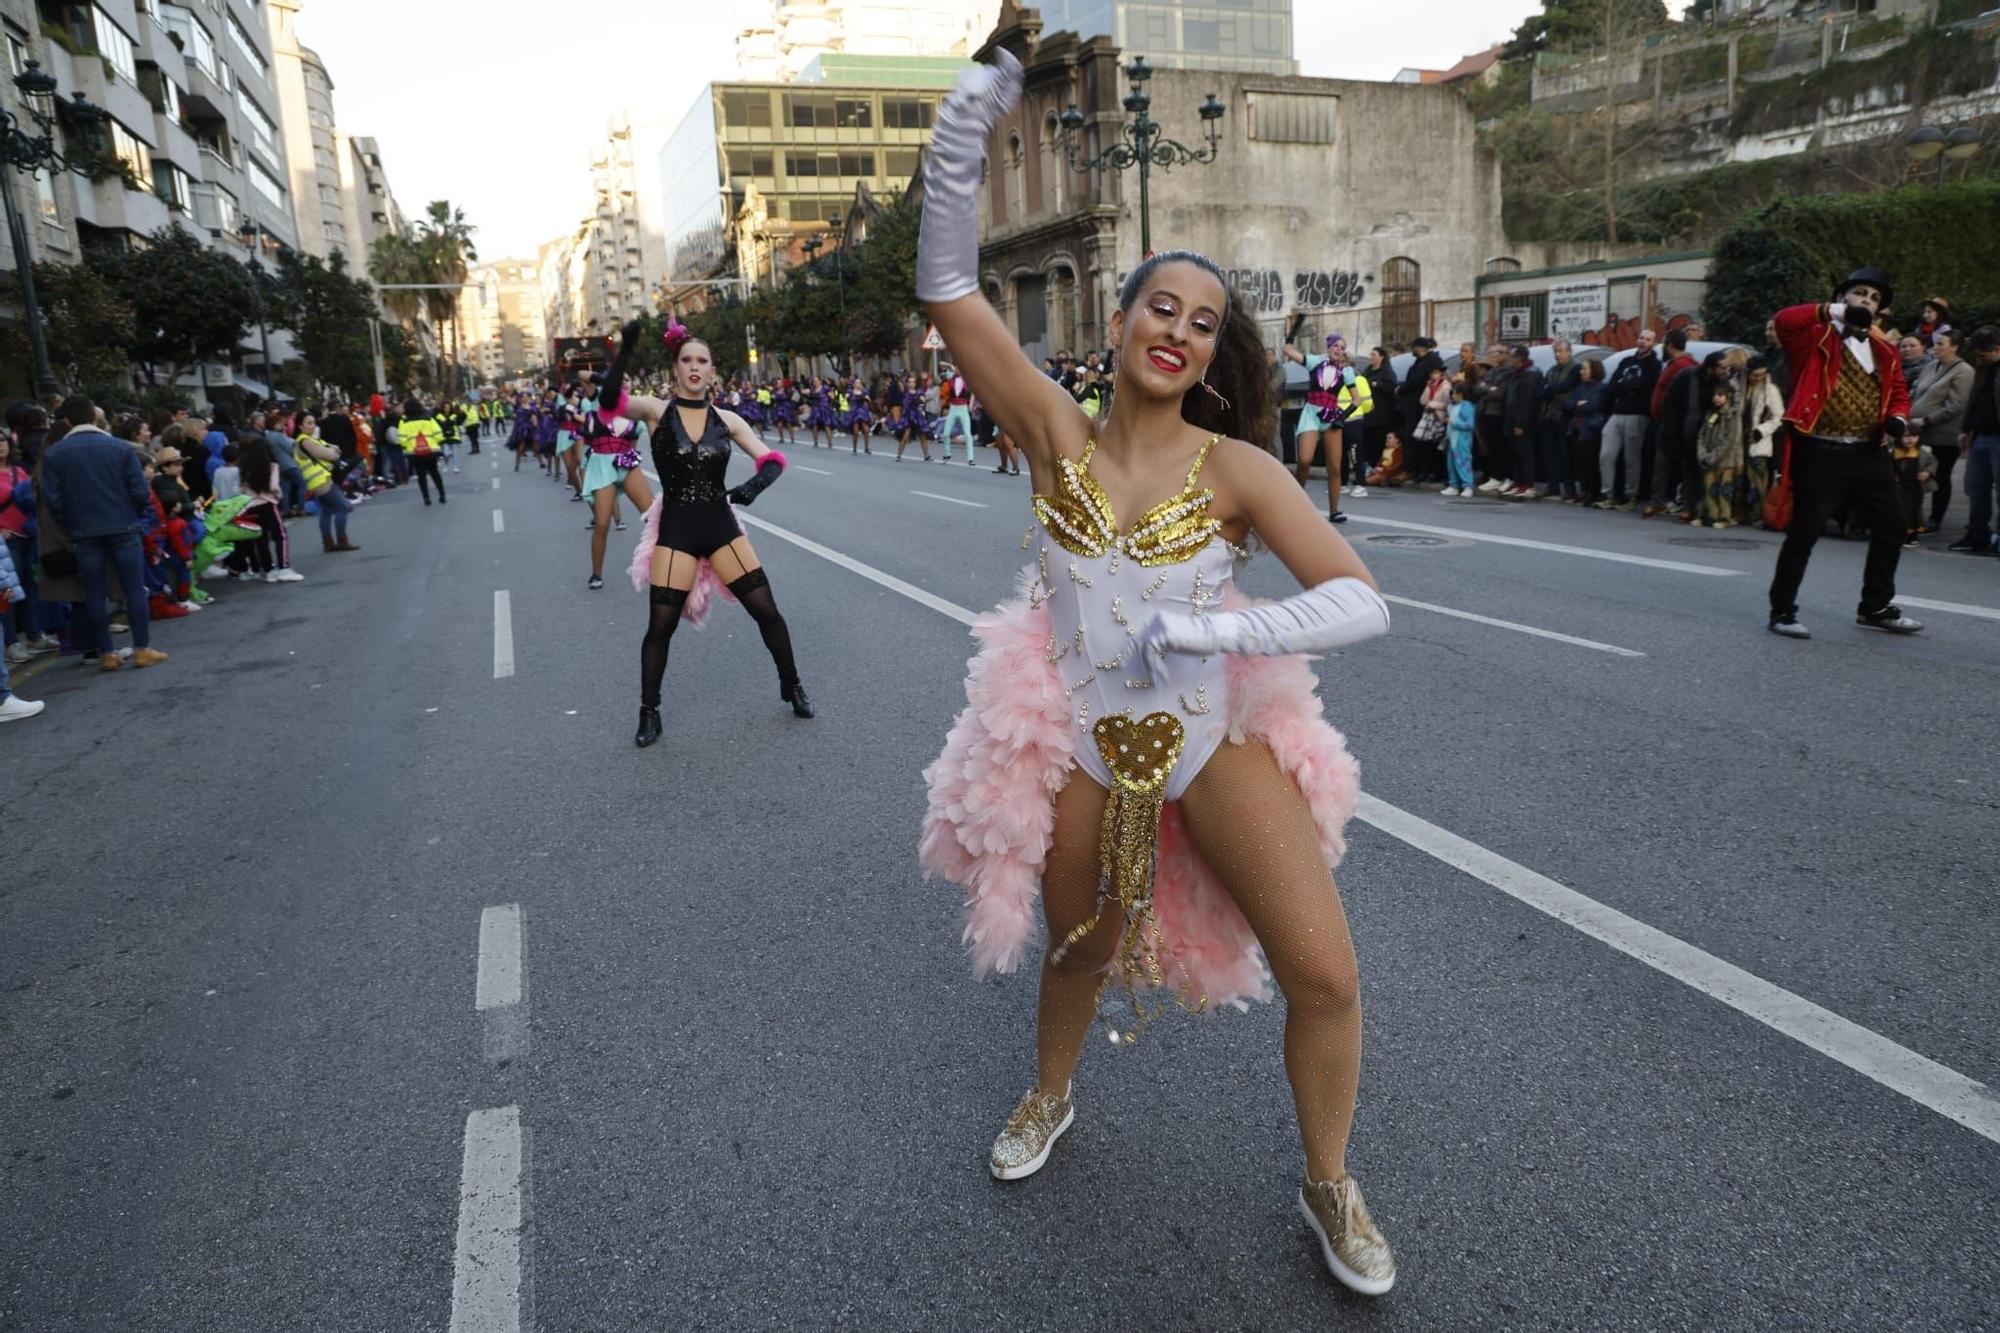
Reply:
x=1142, y=144
x=22, y=151
x=252, y=232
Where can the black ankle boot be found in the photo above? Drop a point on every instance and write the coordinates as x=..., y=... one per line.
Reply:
x=795, y=695
x=649, y=727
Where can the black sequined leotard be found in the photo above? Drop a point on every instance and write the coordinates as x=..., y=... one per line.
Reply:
x=694, y=515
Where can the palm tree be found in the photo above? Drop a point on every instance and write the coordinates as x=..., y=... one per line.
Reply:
x=444, y=240
x=396, y=259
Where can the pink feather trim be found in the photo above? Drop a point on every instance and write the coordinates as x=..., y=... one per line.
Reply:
x=783, y=462
x=992, y=790
x=617, y=409
x=707, y=583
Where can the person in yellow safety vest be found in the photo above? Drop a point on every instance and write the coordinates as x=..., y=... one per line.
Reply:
x=315, y=458
x=1337, y=398
x=469, y=417
x=423, y=440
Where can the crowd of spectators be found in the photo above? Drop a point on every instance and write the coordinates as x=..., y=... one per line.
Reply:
x=114, y=521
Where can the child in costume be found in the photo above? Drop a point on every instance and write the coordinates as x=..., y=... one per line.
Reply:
x=859, y=420
x=1138, y=737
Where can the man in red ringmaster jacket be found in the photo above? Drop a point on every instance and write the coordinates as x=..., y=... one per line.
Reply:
x=1849, y=403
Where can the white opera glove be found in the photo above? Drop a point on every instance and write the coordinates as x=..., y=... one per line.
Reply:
x=1332, y=615
x=948, y=240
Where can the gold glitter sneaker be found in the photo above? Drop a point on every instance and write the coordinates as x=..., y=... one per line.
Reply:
x=1354, y=1250
x=1023, y=1146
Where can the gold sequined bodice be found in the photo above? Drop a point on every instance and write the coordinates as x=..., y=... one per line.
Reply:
x=1080, y=518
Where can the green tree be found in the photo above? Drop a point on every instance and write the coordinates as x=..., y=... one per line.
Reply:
x=444, y=245
x=329, y=312
x=189, y=303
x=1571, y=25
x=86, y=323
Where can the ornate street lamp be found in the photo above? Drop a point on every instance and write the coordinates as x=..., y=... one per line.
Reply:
x=1141, y=143
x=37, y=152
x=1928, y=143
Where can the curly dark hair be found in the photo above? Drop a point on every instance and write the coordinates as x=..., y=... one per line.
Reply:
x=1240, y=372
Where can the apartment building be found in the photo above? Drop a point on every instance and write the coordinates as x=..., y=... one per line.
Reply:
x=505, y=325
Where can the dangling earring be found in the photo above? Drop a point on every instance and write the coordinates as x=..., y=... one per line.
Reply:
x=1213, y=392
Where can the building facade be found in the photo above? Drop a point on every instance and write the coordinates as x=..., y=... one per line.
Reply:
x=629, y=210
x=505, y=328
x=1247, y=35
x=777, y=40
x=1364, y=207
x=771, y=162
x=305, y=111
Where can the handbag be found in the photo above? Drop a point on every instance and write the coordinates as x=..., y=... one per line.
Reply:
x=1430, y=426
x=1778, y=500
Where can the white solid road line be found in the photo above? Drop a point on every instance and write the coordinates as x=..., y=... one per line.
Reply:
x=1924, y=1081
x=933, y=495
x=499, y=521
x=503, y=636
x=499, y=957
x=1929, y=1084
x=820, y=471
x=1588, y=552
x=1955, y=608
x=869, y=572
x=1518, y=629
x=486, y=1264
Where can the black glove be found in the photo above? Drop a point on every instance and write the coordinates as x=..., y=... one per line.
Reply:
x=767, y=472
x=614, y=379
x=1895, y=428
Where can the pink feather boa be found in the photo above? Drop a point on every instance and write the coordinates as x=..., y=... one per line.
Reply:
x=991, y=816
x=707, y=583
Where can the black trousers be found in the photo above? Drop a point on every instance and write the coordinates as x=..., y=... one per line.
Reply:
x=426, y=468
x=1947, y=459
x=1826, y=478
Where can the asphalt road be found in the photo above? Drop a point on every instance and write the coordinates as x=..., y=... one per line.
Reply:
x=1678, y=946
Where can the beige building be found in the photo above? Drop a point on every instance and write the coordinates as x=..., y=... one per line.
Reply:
x=305, y=111
x=1367, y=208
x=505, y=328
x=777, y=41
x=628, y=206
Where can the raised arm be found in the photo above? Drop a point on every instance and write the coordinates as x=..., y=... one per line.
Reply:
x=1028, y=405
x=612, y=398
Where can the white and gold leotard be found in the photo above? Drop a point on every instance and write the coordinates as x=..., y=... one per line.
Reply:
x=1143, y=737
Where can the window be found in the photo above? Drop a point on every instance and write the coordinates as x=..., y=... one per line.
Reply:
x=264, y=183
x=329, y=196
x=899, y=163
x=747, y=162
x=318, y=119
x=114, y=45
x=1055, y=171
x=853, y=163
x=1201, y=34
x=133, y=156
x=907, y=113
x=1017, y=180
x=174, y=187
x=854, y=111
x=195, y=43
x=215, y=208
x=262, y=132
x=810, y=110
x=245, y=43
x=1402, y=300
x=1292, y=117
x=746, y=108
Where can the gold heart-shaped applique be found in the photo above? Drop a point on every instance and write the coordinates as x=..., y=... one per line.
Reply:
x=1140, y=753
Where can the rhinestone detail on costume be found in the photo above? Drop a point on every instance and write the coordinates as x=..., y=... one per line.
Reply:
x=1080, y=518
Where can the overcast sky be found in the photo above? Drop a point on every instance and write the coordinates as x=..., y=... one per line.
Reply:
x=500, y=115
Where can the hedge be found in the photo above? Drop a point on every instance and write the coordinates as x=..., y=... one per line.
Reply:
x=1933, y=240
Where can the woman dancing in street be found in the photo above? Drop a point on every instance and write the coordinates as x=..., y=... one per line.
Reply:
x=1129, y=740
x=915, y=421
x=691, y=539
x=611, y=466
x=785, y=413
x=860, y=420
x=819, y=412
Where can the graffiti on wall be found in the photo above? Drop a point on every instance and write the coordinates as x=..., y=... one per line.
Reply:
x=1262, y=289
x=1320, y=289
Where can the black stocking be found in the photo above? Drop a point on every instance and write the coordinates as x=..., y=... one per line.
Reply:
x=754, y=591
x=666, y=617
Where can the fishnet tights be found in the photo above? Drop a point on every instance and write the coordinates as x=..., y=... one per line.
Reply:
x=1253, y=827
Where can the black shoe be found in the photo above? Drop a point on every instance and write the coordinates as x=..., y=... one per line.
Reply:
x=596, y=582
x=649, y=727
x=1336, y=518
x=1787, y=624
x=795, y=695
x=1889, y=619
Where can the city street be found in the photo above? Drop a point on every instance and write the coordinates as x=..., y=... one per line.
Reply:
x=429, y=1001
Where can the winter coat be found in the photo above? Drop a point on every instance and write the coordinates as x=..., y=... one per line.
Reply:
x=1719, y=437
x=1631, y=392
x=1941, y=398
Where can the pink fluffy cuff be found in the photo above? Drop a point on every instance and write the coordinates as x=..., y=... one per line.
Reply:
x=617, y=409
x=770, y=454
